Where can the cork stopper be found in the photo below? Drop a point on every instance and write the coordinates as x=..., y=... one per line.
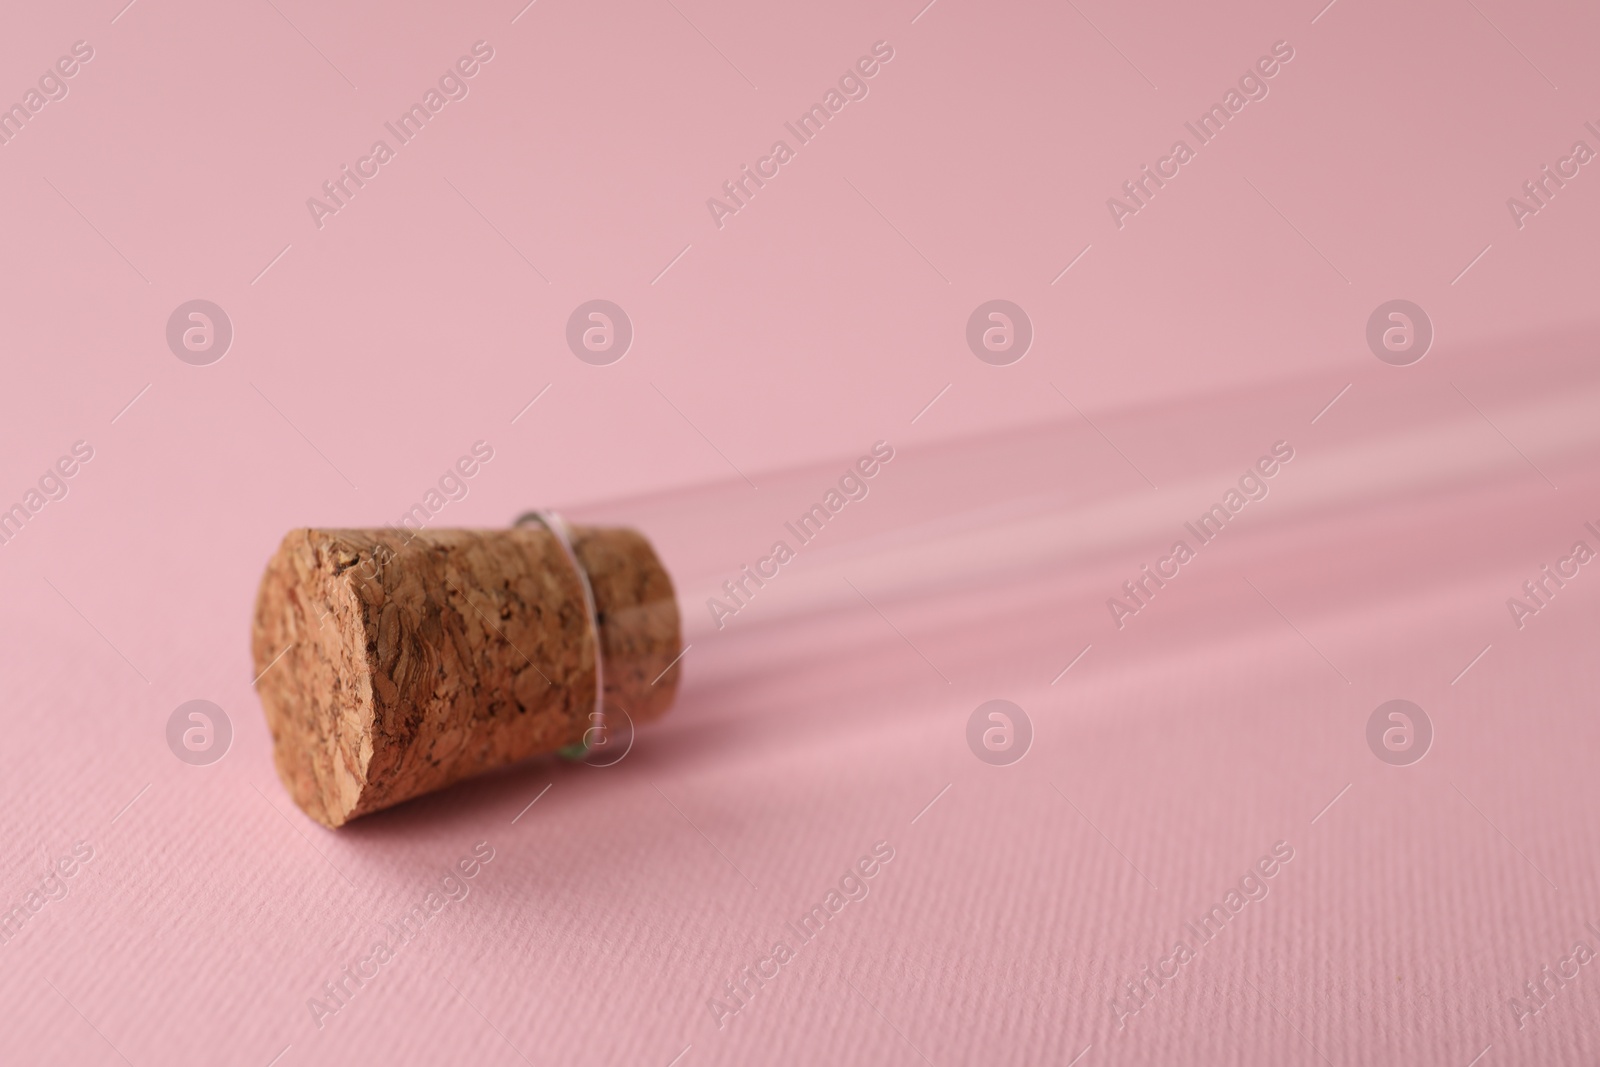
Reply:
x=411, y=660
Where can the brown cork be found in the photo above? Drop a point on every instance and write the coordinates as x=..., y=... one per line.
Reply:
x=416, y=659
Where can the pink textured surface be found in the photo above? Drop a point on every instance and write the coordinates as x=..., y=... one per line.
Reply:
x=1228, y=716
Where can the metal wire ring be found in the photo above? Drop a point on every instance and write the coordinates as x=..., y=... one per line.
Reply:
x=558, y=527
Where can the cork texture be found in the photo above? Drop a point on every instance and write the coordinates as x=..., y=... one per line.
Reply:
x=417, y=659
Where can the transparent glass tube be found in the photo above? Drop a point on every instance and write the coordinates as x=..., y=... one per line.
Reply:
x=1014, y=546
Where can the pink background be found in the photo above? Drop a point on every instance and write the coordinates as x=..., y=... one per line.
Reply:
x=370, y=353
